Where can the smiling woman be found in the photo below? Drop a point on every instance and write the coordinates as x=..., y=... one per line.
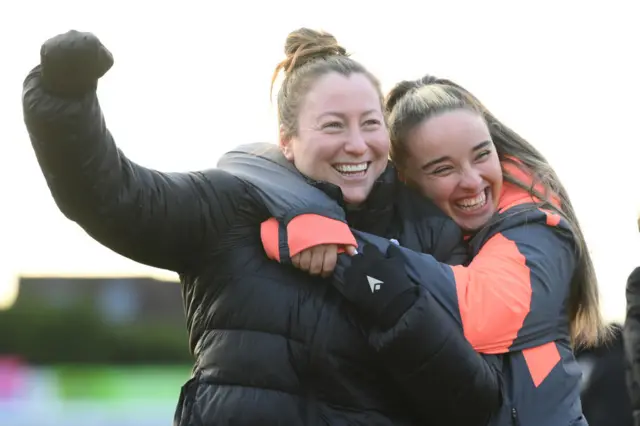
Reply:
x=271, y=346
x=452, y=159
x=337, y=134
x=341, y=136
x=468, y=151
x=528, y=290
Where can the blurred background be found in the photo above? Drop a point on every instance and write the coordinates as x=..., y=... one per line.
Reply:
x=90, y=338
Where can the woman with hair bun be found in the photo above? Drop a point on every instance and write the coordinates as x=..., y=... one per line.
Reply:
x=272, y=344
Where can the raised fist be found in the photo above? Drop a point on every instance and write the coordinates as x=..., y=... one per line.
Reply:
x=71, y=63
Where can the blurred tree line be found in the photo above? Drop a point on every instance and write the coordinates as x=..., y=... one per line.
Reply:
x=41, y=332
x=46, y=335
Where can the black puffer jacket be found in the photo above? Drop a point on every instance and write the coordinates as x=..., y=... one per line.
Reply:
x=272, y=345
x=631, y=336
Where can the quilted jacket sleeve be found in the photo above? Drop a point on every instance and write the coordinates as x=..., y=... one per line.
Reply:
x=159, y=219
x=632, y=342
x=421, y=346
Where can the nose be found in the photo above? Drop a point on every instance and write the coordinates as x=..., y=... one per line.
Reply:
x=356, y=144
x=471, y=180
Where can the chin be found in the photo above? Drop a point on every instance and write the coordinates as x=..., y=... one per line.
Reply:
x=355, y=198
x=474, y=225
x=469, y=227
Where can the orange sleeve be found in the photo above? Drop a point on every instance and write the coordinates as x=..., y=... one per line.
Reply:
x=511, y=296
x=494, y=295
x=303, y=232
x=269, y=234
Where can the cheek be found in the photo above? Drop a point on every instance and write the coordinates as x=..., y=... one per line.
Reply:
x=380, y=145
x=438, y=190
x=309, y=152
x=494, y=172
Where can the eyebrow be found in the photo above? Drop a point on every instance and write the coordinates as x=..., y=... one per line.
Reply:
x=344, y=116
x=445, y=158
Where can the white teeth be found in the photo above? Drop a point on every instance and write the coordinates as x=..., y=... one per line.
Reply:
x=351, y=168
x=473, y=203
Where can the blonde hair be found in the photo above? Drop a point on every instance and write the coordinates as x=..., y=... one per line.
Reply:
x=411, y=102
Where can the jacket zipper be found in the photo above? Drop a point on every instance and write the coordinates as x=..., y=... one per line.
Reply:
x=514, y=417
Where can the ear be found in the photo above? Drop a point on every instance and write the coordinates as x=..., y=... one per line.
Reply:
x=286, y=145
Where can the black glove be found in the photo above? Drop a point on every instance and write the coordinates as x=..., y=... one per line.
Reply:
x=71, y=63
x=378, y=285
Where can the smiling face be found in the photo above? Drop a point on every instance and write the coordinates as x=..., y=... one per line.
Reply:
x=452, y=160
x=341, y=136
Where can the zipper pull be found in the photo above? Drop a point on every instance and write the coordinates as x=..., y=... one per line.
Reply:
x=514, y=417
